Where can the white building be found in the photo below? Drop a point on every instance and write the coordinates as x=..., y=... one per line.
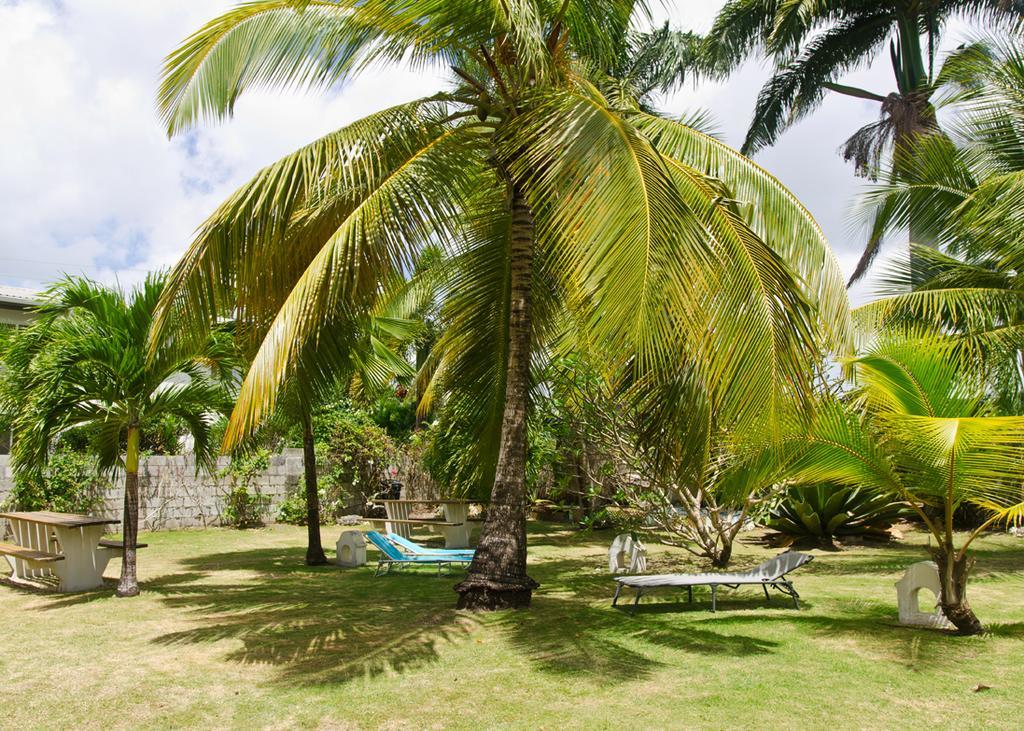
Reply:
x=16, y=304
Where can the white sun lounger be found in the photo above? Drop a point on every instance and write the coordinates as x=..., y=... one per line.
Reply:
x=771, y=573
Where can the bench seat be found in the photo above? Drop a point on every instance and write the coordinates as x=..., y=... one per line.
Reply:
x=411, y=521
x=29, y=554
x=111, y=543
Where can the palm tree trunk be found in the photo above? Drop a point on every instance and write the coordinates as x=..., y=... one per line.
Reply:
x=129, y=584
x=314, y=550
x=953, y=578
x=497, y=577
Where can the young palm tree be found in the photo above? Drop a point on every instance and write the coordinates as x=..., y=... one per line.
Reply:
x=671, y=247
x=920, y=431
x=815, y=43
x=966, y=192
x=84, y=363
x=367, y=364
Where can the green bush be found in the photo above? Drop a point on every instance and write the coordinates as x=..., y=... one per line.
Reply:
x=396, y=416
x=353, y=454
x=822, y=513
x=71, y=483
x=292, y=509
x=244, y=505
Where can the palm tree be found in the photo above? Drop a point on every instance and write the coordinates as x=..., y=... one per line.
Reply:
x=918, y=428
x=965, y=191
x=814, y=43
x=367, y=364
x=671, y=247
x=85, y=363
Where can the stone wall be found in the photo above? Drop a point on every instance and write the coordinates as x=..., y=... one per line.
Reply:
x=172, y=495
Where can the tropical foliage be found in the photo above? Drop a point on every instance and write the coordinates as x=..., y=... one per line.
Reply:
x=919, y=429
x=548, y=194
x=70, y=483
x=87, y=362
x=814, y=44
x=965, y=191
x=821, y=513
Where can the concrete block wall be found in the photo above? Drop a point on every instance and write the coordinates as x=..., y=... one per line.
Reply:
x=172, y=495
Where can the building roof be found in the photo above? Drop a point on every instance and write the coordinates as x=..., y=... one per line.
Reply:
x=18, y=297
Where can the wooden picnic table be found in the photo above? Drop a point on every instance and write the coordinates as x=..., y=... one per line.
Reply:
x=61, y=544
x=454, y=527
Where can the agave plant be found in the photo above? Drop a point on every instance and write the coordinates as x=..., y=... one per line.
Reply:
x=821, y=513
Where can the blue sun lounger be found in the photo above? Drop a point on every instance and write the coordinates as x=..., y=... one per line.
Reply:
x=415, y=549
x=390, y=556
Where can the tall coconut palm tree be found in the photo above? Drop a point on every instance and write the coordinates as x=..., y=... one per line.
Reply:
x=814, y=43
x=919, y=429
x=672, y=248
x=85, y=363
x=966, y=192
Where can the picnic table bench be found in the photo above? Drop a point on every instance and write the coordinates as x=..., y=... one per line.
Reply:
x=64, y=545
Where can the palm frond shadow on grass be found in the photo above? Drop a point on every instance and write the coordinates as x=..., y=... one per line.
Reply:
x=321, y=624
x=315, y=624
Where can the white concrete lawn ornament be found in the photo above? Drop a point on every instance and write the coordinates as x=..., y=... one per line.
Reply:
x=921, y=575
x=627, y=555
x=351, y=549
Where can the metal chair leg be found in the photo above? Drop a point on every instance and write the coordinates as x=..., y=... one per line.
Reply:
x=636, y=601
x=766, y=595
x=689, y=594
x=618, y=588
x=796, y=597
x=714, y=597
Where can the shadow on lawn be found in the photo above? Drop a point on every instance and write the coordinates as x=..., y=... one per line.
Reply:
x=327, y=625
x=316, y=624
x=322, y=624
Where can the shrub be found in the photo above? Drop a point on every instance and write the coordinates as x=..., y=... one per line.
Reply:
x=396, y=416
x=71, y=483
x=244, y=505
x=354, y=454
x=822, y=513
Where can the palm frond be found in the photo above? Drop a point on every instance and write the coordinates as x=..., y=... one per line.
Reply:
x=772, y=211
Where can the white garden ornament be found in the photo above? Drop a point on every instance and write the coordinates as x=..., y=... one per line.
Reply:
x=627, y=554
x=351, y=549
x=921, y=575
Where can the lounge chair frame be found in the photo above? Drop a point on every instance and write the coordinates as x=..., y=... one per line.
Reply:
x=405, y=545
x=385, y=565
x=778, y=582
x=390, y=557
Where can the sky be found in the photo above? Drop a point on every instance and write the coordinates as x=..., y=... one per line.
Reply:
x=90, y=184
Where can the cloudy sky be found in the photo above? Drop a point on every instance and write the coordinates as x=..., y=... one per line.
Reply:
x=90, y=184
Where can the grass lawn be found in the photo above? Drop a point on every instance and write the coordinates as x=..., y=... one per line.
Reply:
x=232, y=630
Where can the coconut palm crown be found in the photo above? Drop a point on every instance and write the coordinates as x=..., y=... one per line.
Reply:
x=966, y=191
x=674, y=251
x=815, y=43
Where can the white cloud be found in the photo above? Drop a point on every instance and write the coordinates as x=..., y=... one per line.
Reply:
x=88, y=180
x=90, y=183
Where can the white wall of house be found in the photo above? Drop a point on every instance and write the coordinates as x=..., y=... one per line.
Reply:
x=16, y=305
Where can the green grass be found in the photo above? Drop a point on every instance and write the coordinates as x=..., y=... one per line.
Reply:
x=232, y=630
